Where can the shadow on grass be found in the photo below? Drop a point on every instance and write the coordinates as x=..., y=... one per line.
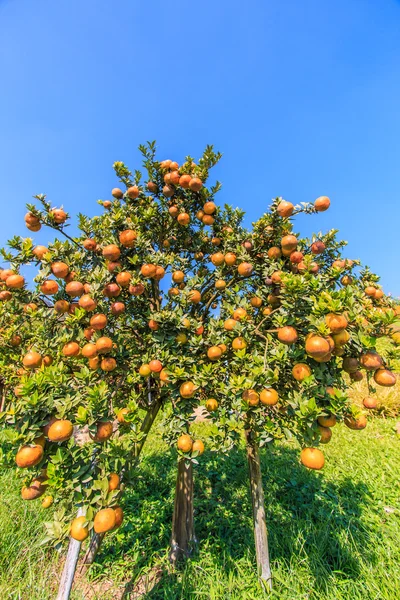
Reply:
x=308, y=518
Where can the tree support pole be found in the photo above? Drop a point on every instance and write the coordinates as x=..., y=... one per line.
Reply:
x=259, y=519
x=68, y=574
x=183, y=537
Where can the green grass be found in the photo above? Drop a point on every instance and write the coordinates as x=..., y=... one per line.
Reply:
x=333, y=535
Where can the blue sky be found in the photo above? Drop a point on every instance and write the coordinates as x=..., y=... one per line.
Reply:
x=301, y=97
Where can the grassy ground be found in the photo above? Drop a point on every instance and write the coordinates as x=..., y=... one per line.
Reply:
x=333, y=535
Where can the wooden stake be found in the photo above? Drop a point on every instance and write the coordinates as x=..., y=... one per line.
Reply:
x=68, y=574
x=183, y=537
x=259, y=519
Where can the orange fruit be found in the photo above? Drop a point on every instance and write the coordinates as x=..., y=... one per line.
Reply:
x=269, y=397
x=104, y=520
x=312, y=458
x=185, y=443
x=79, y=531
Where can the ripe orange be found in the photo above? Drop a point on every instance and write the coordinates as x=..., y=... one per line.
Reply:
x=119, y=516
x=148, y=270
x=60, y=269
x=285, y=209
x=164, y=375
x=98, y=322
x=211, y=404
x=117, y=308
x=312, y=458
x=325, y=434
x=185, y=443
x=35, y=489
x=239, y=314
x=350, y=364
x=78, y=530
x=371, y=361
x=220, y=284
x=198, y=446
x=104, y=520
x=289, y=243
x=49, y=287
x=209, y=208
x=113, y=482
x=245, y=269
x=155, y=366
x=274, y=252
x=230, y=259
x=269, y=397
x=60, y=431
x=370, y=402
x=29, y=456
x=217, y=258
x=356, y=423
x=340, y=339
x=329, y=421
x=89, y=244
x=287, y=335
x=104, y=345
x=183, y=218
x=32, y=360
x=317, y=346
x=301, y=371
x=74, y=289
x=61, y=306
x=87, y=303
x=108, y=364
x=336, y=323
x=322, y=203
x=385, y=377
x=123, y=279
x=127, y=238
x=71, y=349
x=153, y=325
x=251, y=397
x=40, y=251
x=214, y=353
x=132, y=192
x=256, y=302
x=184, y=181
x=195, y=184
x=178, y=276
x=187, y=389
x=111, y=252
x=144, y=370
x=194, y=296
x=239, y=343
x=117, y=193
x=152, y=187
x=59, y=215
x=104, y=431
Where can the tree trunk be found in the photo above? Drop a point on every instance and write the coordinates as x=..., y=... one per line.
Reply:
x=183, y=537
x=68, y=574
x=97, y=538
x=259, y=520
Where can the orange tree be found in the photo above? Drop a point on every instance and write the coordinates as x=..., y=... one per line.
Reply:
x=166, y=297
x=301, y=329
x=97, y=341
x=295, y=324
